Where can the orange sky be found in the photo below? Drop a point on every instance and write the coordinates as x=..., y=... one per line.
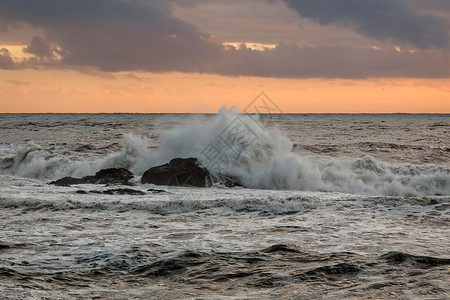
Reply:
x=71, y=91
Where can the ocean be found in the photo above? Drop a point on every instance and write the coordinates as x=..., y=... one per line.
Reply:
x=335, y=206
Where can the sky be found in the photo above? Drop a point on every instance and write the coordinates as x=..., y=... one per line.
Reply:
x=306, y=56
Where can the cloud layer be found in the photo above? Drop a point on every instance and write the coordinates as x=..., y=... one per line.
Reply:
x=112, y=35
x=378, y=19
x=146, y=35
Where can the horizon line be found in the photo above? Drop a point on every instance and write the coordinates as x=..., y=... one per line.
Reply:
x=244, y=113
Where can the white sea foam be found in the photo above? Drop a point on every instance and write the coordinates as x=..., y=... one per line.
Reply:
x=32, y=194
x=266, y=205
x=260, y=157
x=31, y=160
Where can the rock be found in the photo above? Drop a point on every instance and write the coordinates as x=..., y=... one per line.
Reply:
x=123, y=192
x=185, y=172
x=178, y=172
x=66, y=181
x=227, y=181
x=82, y=192
x=112, y=176
x=105, y=176
x=156, y=191
x=114, y=192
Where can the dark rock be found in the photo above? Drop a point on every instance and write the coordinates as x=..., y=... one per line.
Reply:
x=105, y=176
x=112, y=176
x=178, y=172
x=114, y=192
x=66, y=181
x=157, y=191
x=227, y=181
x=124, y=192
x=185, y=172
x=81, y=192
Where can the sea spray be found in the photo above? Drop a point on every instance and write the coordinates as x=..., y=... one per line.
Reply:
x=31, y=160
x=268, y=162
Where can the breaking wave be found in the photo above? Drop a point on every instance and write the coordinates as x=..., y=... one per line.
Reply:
x=165, y=204
x=239, y=145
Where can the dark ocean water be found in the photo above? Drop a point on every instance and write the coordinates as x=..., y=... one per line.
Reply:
x=338, y=206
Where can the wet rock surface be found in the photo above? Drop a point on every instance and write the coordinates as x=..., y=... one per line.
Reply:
x=185, y=172
x=178, y=172
x=106, y=176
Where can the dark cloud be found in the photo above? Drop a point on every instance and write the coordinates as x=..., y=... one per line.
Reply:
x=430, y=5
x=336, y=61
x=114, y=35
x=40, y=48
x=378, y=19
x=6, y=62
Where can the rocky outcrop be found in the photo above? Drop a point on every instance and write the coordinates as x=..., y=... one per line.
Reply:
x=178, y=172
x=185, y=172
x=106, y=176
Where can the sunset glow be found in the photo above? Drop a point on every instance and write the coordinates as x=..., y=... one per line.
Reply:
x=58, y=91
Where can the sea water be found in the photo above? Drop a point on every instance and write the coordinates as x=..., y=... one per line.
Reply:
x=335, y=206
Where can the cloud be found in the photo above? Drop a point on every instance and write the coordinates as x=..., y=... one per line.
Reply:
x=40, y=48
x=6, y=62
x=430, y=5
x=17, y=83
x=378, y=19
x=133, y=35
x=133, y=76
x=113, y=35
x=335, y=61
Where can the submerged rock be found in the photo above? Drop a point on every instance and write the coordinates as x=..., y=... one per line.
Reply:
x=105, y=176
x=156, y=191
x=185, y=172
x=114, y=192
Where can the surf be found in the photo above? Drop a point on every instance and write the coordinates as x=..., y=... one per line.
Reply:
x=241, y=146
